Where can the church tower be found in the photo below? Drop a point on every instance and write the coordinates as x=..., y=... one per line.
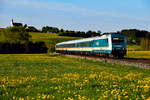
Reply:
x=12, y=22
x=15, y=24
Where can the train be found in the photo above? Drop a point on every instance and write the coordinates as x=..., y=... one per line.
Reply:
x=107, y=44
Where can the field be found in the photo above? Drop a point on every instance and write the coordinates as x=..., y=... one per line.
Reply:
x=50, y=37
x=138, y=54
x=49, y=76
x=134, y=48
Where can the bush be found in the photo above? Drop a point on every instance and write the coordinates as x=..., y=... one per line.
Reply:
x=14, y=35
x=16, y=40
x=145, y=42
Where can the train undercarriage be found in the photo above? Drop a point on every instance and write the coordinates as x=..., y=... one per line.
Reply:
x=114, y=53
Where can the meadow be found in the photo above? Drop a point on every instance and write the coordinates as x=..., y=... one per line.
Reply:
x=54, y=77
x=134, y=47
x=138, y=54
x=47, y=37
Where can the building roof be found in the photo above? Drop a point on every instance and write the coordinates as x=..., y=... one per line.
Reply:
x=17, y=24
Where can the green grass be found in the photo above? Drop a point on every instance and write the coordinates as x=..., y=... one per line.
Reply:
x=50, y=37
x=138, y=54
x=134, y=47
x=43, y=76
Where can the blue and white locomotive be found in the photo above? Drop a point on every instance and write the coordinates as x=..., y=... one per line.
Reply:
x=108, y=44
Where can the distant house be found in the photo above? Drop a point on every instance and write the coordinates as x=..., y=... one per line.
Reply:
x=15, y=24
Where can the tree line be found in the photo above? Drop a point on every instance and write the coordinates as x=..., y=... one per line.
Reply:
x=62, y=32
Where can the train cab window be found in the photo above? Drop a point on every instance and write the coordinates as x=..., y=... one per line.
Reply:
x=117, y=40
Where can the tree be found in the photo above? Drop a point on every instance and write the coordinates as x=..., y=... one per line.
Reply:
x=15, y=35
x=31, y=29
x=134, y=35
x=145, y=42
x=99, y=32
x=48, y=29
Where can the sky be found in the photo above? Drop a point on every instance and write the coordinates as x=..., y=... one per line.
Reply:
x=78, y=15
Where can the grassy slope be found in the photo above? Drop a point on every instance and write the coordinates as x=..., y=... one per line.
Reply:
x=133, y=48
x=138, y=54
x=40, y=76
x=50, y=37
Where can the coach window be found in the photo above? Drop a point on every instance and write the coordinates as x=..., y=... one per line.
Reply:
x=106, y=42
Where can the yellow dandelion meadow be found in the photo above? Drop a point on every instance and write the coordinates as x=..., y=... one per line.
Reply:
x=146, y=88
x=43, y=96
x=53, y=97
x=148, y=98
x=92, y=76
x=14, y=97
x=69, y=98
x=48, y=96
x=27, y=98
x=143, y=97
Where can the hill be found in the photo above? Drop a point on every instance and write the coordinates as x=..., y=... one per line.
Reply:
x=50, y=39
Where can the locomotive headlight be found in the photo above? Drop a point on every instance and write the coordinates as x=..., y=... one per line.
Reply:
x=124, y=48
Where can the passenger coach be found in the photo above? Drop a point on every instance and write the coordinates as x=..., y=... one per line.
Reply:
x=108, y=44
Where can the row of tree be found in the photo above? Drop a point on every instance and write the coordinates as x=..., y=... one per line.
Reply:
x=63, y=32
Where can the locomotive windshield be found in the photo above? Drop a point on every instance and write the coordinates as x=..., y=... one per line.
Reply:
x=117, y=40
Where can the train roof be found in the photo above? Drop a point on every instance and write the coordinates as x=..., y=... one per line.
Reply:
x=86, y=39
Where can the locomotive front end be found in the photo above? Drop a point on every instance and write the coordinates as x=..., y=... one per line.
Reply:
x=118, y=45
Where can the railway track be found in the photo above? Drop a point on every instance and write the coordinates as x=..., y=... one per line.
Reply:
x=142, y=63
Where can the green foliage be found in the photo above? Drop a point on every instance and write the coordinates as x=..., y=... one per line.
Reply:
x=134, y=35
x=138, y=54
x=71, y=33
x=16, y=40
x=79, y=33
x=31, y=29
x=145, y=42
x=133, y=47
x=48, y=29
x=14, y=35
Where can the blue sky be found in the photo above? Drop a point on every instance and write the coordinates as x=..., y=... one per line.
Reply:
x=82, y=15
